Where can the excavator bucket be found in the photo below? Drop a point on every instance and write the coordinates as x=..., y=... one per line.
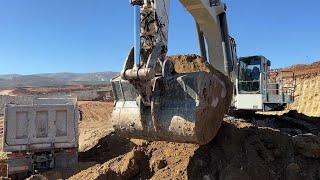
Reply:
x=187, y=107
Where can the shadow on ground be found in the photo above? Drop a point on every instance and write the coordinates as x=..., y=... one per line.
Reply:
x=107, y=148
x=256, y=153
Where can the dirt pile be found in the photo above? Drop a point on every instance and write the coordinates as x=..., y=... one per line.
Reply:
x=122, y=167
x=189, y=63
x=147, y=160
x=241, y=150
x=244, y=151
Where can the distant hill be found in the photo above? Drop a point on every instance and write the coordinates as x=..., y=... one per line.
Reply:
x=303, y=66
x=54, y=79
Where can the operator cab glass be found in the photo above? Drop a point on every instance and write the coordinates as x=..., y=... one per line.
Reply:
x=249, y=75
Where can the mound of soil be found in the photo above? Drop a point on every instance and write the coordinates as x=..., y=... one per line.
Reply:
x=243, y=149
x=189, y=63
x=240, y=151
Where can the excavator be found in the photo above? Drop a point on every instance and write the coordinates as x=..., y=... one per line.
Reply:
x=152, y=101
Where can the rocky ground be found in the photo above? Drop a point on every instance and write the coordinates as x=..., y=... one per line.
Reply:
x=242, y=150
x=279, y=146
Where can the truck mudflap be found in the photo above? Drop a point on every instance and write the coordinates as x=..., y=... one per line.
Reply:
x=66, y=159
x=19, y=165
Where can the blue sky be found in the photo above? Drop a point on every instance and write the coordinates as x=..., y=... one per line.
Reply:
x=39, y=36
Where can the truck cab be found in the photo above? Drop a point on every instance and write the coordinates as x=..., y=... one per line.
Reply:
x=260, y=89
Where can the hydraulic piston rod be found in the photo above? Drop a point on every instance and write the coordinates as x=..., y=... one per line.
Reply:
x=137, y=25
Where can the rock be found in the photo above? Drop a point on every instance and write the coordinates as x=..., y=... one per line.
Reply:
x=156, y=165
x=232, y=173
x=126, y=167
x=140, y=142
x=132, y=163
x=37, y=177
x=207, y=177
x=307, y=145
x=277, y=153
x=293, y=172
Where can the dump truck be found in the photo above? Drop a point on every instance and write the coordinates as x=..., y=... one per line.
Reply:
x=41, y=136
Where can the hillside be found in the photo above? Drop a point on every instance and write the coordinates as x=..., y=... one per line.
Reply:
x=53, y=79
x=307, y=91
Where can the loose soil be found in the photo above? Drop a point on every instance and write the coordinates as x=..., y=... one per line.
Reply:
x=243, y=149
x=189, y=63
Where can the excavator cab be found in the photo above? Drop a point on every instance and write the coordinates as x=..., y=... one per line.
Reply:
x=154, y=101
x=257, y=90
x=251, y=70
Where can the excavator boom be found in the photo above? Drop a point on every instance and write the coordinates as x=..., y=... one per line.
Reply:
x=155, y=102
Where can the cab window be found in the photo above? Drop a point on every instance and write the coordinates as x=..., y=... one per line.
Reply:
x=249, y=76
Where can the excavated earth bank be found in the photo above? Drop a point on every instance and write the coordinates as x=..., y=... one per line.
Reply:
x=240, y=151
x=307, y=91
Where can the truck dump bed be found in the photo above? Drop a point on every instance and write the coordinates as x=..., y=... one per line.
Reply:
x=47, y=124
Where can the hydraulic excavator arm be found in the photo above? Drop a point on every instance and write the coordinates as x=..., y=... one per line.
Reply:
x=155, y=103
x=212, y=26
